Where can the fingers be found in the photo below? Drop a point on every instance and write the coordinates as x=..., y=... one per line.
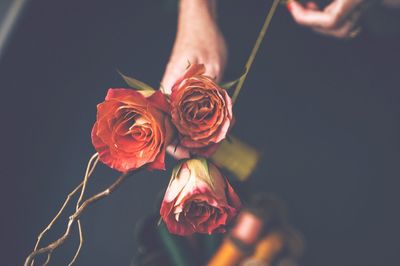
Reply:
x=339, y=19
x=312, y=17
x=213, y=71
x=349, y=29
x=173, y=72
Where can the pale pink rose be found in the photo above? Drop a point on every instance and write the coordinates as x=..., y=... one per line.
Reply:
x=198, y=199
x=201, y=111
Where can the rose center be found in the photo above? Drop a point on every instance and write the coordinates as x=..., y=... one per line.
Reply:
x=198, y=108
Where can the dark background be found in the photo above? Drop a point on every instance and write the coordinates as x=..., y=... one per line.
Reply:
x=324, y=112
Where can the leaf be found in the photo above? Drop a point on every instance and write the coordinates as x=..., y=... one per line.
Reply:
x=199, y=166
x=136, y=84
x=146, y=93
x=230, y=84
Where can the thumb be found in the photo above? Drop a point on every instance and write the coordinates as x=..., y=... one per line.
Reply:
x=173, y=72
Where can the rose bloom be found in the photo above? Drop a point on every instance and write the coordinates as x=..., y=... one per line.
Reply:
x=132, y=130
x=198, y=199
x=200, y=110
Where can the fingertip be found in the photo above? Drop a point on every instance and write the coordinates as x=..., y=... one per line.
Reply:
x=295, y=8
x=289, y=5
x=165, y=86
x=213, y=71
x=292, y=4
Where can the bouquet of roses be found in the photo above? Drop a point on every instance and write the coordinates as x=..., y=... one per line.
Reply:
x=137, y=126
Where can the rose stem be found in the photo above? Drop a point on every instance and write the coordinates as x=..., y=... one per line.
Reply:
x=89, y=170
x=255, y=49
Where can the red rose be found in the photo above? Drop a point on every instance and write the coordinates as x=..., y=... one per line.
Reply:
x=198, y=199
x=132, y=130
x=201, y=111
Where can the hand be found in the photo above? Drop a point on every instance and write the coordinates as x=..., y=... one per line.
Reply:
x=339, y=19
x=198, y=40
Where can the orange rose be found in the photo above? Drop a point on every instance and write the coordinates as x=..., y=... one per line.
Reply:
x=132, y=130
x=198, y=199
x=201, y=111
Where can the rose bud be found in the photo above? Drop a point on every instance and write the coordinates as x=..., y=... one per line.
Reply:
x=201, y=111
x=132, y=130
x=198, y=199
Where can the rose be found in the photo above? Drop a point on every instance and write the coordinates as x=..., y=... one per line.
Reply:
x=198, y=199
x=132, y=130
x=201, y=111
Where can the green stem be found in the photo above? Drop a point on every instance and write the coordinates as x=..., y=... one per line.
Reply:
x=255, y=48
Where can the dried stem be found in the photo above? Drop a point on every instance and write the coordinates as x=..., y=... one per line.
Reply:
x=74, y=217
x=80, y=244
x=47, y=259
x=89, y=170
x=85, y=180
x=255, y=48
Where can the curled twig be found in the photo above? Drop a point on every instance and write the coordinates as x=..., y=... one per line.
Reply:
x=80, y=244
x=84, y=183
x=73, y=218
x=89, y=170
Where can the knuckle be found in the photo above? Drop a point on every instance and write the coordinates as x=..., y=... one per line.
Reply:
x=216, y=68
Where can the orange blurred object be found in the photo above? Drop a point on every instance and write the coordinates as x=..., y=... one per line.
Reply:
x=241, y=240
x=266, y=250
x=248, y=227
x=228, y=254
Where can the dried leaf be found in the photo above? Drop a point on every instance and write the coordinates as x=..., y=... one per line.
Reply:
x=136, y=84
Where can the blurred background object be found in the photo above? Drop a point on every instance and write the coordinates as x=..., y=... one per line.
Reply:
x=10, y=12
x=261, y=236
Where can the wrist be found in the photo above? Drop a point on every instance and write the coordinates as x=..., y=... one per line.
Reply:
x=196, y=12
x=192, y=6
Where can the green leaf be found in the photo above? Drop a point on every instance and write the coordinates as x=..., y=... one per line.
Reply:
x=230, y=84
x=136, y=84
